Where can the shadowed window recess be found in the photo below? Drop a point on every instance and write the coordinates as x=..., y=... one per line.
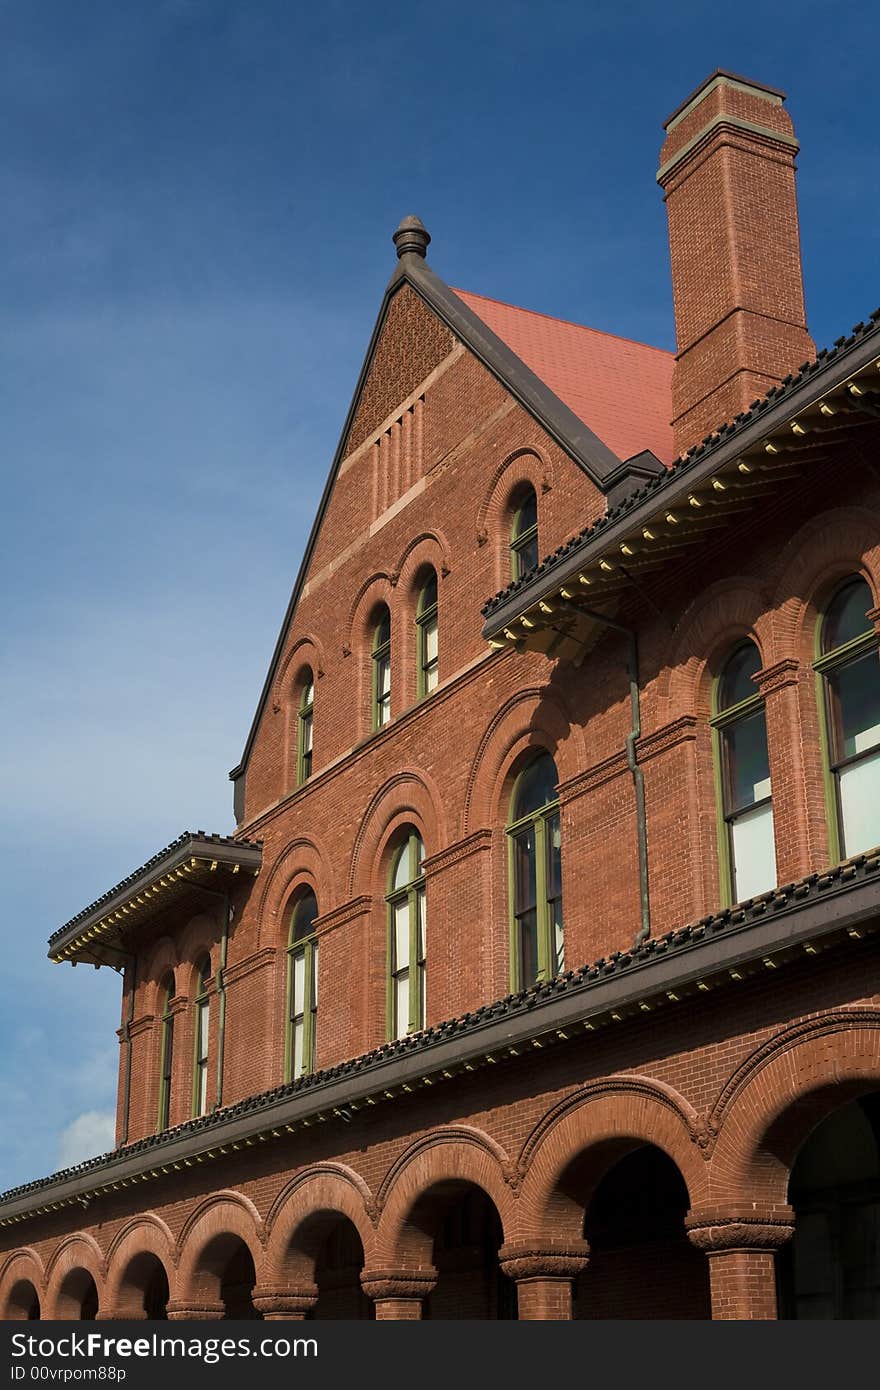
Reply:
x=302, y=987
x=166, y=1052
x=304, y=730
x=202, y=1026
x=535, y=863
x=406, y=938
x=382, y=669
x=426, y=637
x=524, y=534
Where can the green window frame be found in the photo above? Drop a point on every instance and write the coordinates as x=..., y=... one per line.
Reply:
x=524, y=534
x=743, y=792
x=381, y=663
x=305, y=730
x=302, y=989
x=427, y=634
x=166, y=1053
x=534, y=841
x=405, y=901
x=848, y=696
x=201, y=1031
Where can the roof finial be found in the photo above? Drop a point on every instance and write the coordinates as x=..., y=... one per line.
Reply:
x=411, y=238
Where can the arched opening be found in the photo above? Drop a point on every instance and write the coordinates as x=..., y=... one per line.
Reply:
x=23, y=1304
x=77, y=1298
x=227, y=1264
x=328, y=1248
x=642, y=1265
x=831, y=1267
x=143, y=1289
x=464, y=1229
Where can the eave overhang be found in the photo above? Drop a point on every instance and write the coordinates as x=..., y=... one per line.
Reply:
x=840, y=907
x=100, y=934
x=832, y=400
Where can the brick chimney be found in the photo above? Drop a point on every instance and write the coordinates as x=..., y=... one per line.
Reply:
x=727, y=174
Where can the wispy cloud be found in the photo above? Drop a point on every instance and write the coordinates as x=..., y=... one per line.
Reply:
x=90, y=1134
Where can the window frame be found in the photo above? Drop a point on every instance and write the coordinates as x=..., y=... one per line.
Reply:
x=824, y=664
x=427, y=617
x=202, y=1006
x=519, y=540
x=166, y=1055
x=720, y=721
x=305, y=729
x=414, y=893
x=307, y=947
x=380, y=658
x=545, y=925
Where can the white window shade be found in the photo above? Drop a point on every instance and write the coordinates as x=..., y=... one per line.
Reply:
x=860, y=804
x=753, y=853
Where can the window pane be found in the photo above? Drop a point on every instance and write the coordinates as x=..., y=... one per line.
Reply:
x=401, y=867
x=737, y=681
x=401, y=1003
x=855, y=699
x=401, y=935
x=746, y=763
x=524, y=877
x=299, y=982
x=420, y=924
x=428, y=596
x=528, y=948
x=526, y=514
x=307, y=733
x=202, y=1097
x=845, y=618
x=527, y=554
x=203, y=1031
x=860, y=804
x=753, y=853
x=432, y=677
x=430, y=631
x=304, y=914
x=298, y=1041
x=314, y=979
x=554, y=858
x=558, y=944
x=535, y=787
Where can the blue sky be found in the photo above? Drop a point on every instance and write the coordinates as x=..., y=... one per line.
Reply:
x=196, y=203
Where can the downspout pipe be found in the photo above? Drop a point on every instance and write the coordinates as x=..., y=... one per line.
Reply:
x=632, y=762
x=221, y=997
x=126, y=1037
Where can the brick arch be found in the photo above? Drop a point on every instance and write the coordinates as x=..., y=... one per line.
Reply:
x=225, y=1215
x=822, y=552
x=358, y=645
x=428, y=548
x=302, y=861
x=307, y=650
x=534, y=717
x=135, y=1242
x=409, y=796
x=594, y=1128
x=527, y=464
x=376, y=588
x=74, y=1255
x=302, y=1213
x=457, y=1154
x=780, y=1093
x=728, y=610
x=198, y=938
x=163, y=957
x=22, y=1267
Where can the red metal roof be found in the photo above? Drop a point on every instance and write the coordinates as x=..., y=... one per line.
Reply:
x=621, y=389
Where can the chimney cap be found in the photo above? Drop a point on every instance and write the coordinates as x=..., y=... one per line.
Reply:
x=411, y=238
x=723, y=74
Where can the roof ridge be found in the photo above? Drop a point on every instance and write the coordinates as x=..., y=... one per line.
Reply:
x=569, y=323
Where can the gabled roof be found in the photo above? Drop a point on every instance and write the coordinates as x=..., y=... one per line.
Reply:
x=572, y=432
x=621, y=389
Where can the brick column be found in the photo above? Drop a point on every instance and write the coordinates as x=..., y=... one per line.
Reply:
x=740, y=1247
x=398, y=1293
x=205, y=1310
x=543, y=1275
x=284, y=1303
x=799, y=829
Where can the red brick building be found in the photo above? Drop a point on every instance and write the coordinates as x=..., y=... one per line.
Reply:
x=540, y=977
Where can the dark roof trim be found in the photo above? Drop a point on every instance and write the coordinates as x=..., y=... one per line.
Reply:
x=228, y=853
x=830, y=369
x=774, y=926
x=577, y=439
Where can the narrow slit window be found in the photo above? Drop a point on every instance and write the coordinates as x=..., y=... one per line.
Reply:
x=406, y=938
x=535, y=856
x=748, y=853
x=302, y=988
x=427, y=637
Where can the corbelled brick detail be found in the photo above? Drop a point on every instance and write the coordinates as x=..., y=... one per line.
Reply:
x=728, y=175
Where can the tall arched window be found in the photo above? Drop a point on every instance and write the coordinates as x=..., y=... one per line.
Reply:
x=535, y=875
x=747, y=850
x=302, y=987
x=166, y=1050
x=850, y=676
x=426, y=630
x=304, y=729
x=524, y=534
x=406, y=938
x=382, y=669
x=202, y=1023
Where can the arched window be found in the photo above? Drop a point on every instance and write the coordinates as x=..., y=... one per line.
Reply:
x=166, y=1051
x=747, y=851
x=382, y=669
x=524, y=534
x=406, y=938
x=202, y=1023
x=304, y=729
x=850, y=676
x=426, y=630
x=535, y=875
x=302, y=987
